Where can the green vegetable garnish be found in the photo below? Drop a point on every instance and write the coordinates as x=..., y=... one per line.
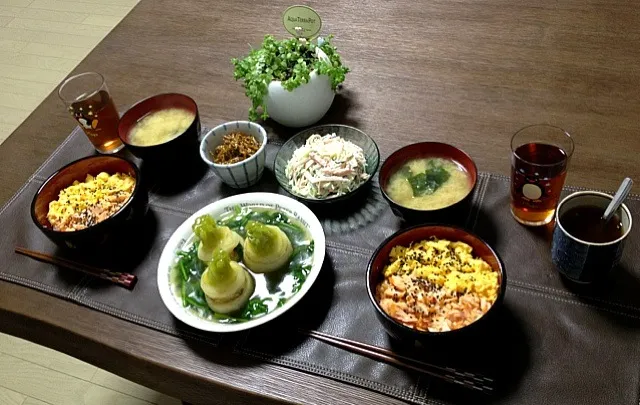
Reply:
x=207, y=231
x=227, y=286
x=189, y=270
x=286, y=280
x=290, y=61
x=213, y=237
x=267, y=247
x=262, y=238
x=220, y=270
x=429, y=181
x=255, y=307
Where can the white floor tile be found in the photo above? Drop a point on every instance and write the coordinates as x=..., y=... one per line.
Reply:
x=13, y=115
x=11, y=45
x=98, y=8
x=120, y=384
x=50, y=15
x=38, y=61
x=59, y=51
x=25, y=87
x=8, y=397
x=16, y=3
x=57, y=27
x=33, y=401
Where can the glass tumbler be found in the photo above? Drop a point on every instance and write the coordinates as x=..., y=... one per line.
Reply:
x=87, y=98
x=540, y=155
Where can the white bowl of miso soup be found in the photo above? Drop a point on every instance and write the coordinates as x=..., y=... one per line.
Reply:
x=162, y=129
x=429, y=181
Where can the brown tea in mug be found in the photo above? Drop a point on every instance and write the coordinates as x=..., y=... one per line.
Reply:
x=98, y=117
x=538, y=171
x=585, y=222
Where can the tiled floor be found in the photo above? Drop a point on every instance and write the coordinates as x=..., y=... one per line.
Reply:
x=32, y=374
x=41, y=41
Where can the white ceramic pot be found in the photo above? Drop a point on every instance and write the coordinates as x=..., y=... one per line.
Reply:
x=303, y=106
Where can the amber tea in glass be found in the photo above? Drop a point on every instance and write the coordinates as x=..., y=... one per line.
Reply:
x=88, y=100
x=540, y=155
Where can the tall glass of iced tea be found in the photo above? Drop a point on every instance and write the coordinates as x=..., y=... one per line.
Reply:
x=540, y=155
x=88, y=99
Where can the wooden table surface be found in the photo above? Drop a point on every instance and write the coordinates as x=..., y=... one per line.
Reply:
x=467, y=72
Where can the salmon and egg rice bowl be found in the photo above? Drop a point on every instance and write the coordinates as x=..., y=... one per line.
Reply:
x=84, y=204
x=437, y=285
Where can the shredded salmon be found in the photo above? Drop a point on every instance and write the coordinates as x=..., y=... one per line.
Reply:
x=437, y=286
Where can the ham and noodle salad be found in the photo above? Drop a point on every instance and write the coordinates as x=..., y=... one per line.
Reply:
x=326, y=166
x=437, y=285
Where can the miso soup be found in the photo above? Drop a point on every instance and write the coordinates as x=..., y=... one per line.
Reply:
x=429, y=184
x=160, y=127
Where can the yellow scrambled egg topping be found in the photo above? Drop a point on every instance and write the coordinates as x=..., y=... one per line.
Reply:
x=86, y=203
x=446, y=264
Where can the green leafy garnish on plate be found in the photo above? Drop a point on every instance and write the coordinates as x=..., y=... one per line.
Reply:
x=190, y=269
x=427, y=182
x=276, y=288
x=256, y=306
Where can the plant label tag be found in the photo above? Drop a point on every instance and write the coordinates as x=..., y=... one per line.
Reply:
x=302, y=22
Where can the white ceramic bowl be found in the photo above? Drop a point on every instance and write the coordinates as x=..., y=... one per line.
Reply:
x=184, y=236
x=303, y=106
x=242, y=174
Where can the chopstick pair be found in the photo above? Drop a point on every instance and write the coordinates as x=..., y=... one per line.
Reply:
x=466, y=379
x=125, y=280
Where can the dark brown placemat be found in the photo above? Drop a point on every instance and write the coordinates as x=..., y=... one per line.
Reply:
x=552, y=344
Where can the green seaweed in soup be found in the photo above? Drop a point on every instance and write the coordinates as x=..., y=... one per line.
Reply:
x=272, y=289
x=428, y=184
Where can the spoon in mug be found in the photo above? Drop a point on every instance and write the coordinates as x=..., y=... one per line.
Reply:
x=618, y=199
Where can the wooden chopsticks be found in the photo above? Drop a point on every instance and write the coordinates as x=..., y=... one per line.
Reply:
x=125, y=280
x=466, y=379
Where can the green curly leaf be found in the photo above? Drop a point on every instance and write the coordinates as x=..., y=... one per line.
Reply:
x=289, y=61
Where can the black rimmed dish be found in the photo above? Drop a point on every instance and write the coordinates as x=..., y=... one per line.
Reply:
x=348, y=133
x=580, y=260
x=109, y=231
x=417, y=233
x=172, y=155
x=454, y=213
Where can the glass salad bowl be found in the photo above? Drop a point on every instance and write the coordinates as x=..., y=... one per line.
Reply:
x=329, y=170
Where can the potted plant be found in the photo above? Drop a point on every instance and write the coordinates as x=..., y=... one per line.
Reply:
x=293, y=81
